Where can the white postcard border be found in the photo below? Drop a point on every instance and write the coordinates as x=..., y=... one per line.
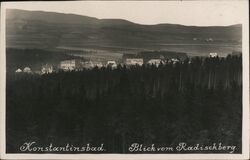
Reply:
x=245, y=125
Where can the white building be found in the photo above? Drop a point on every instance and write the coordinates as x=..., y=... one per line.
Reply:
x=18, y=70
x=27, y=70
x=213, y=55
x=134, y=61
x=69, y=65
x=46, y=69
x=112, y=64
x=87, y=64
x=155, y=62
x=98, y=64
x=174, y=60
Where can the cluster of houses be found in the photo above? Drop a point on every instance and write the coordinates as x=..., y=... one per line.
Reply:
x=25, y=70
x=77, y=64
x=127, y=59
x=46, y=69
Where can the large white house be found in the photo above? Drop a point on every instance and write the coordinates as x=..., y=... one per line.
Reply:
x=46, y=69
x=174, y=60
x=112, y=64
x=213, y=55
x=27, y=70
x=69, y=65
x=134, y=61
x=98, y=64
x=18, y=70
x=87, y=64
x=155, y=62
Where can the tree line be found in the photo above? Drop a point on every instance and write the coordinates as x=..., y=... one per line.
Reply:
x=198, y=100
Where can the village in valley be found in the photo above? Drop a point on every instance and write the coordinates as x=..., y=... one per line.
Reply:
x=127, y=60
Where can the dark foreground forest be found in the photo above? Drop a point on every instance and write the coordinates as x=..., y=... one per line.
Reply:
x=197, y=102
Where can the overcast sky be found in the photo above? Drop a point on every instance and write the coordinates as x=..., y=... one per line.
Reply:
x=199, y=13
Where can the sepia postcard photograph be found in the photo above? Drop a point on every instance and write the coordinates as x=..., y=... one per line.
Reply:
x=124, y=80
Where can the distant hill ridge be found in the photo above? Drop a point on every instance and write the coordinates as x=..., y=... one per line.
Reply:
x=39, y=29
x=56, y=17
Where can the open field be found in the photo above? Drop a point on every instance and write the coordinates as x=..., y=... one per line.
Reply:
x=112, y=52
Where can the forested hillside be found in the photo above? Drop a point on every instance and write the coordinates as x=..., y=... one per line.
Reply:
x=197, y=102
